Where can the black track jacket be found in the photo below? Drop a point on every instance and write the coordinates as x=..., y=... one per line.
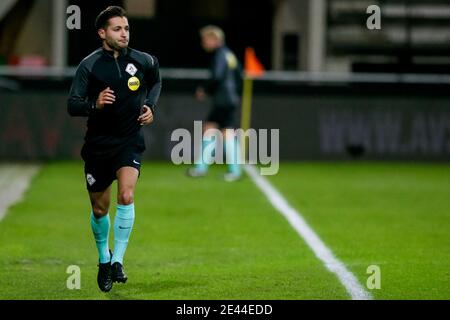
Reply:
x=134, y=77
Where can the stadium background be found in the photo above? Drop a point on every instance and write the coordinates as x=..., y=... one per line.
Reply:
x=336, y=90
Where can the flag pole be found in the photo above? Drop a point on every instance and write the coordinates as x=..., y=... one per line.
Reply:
x=253, y=68
x=246, y=113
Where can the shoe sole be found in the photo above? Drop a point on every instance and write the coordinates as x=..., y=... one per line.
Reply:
x=123, y=280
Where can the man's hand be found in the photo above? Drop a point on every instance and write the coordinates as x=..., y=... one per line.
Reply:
x=105, y=97
x=146, y=117
x=200, y=94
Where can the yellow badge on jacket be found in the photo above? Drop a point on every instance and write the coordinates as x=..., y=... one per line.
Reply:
x=133, y=83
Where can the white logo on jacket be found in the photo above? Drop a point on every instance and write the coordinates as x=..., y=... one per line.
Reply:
x=131, y=69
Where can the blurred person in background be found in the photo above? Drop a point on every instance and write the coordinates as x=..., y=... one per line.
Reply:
x=224, y=86
x=117, y=88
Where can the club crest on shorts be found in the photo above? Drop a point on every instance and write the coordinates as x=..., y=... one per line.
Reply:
x=133, y=83
x=131, y=69
x=90, y=179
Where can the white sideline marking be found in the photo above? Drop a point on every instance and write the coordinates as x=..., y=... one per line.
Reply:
x=14, y=181
x=319, y=248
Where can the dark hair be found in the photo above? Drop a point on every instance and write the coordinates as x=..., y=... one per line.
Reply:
x=112, y=11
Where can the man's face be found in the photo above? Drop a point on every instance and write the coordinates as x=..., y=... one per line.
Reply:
x=117, y=33
x=210, y=43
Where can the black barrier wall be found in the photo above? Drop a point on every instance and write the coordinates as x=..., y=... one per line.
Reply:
x=324, y=123
x=373, y=127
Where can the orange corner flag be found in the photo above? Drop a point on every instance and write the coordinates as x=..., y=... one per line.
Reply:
x=252, y=66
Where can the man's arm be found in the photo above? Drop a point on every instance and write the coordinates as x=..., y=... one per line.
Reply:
x=153, y=78
x=78, y=103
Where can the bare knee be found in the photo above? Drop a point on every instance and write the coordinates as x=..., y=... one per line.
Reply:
x=99, y=210
x=125, y=197
x=100, y=202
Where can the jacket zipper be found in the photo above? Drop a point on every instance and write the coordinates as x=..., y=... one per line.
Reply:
x=118, y=68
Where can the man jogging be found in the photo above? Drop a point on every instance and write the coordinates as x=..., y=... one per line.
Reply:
x=224, y=87
x=117, y=88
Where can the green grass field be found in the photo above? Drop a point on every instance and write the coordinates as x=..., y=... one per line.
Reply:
x=207, y=239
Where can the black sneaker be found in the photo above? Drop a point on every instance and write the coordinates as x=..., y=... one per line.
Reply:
x=104, y=277
x=118, y=275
